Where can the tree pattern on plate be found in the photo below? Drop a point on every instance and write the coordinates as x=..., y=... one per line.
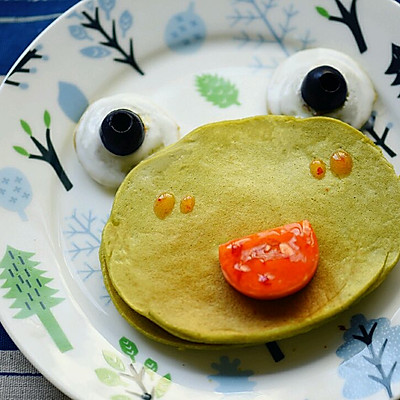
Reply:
x=275, y=351
x=15, y=191
x=83, y=235
x=135, y=381
x=369, y=128
x=109, y=42
x=22, y=67
x=185, y=31
x=394, y=67
x=348, y=17
x=31, y=293
x=48, y=154
x=371, y=354
x=231, y=377
x=248, y=12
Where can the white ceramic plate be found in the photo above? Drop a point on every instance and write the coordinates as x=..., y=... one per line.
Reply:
x=52, y=299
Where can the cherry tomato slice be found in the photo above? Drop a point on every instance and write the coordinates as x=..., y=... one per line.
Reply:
x=271, y=264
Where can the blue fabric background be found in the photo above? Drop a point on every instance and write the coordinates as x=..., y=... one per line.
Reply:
x=21, y=21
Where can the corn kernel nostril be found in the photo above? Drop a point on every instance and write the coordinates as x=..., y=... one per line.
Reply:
x=341, y=163
x=317, y=169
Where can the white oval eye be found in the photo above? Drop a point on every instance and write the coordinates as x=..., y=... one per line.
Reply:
x=110, y=169
x=284, y=90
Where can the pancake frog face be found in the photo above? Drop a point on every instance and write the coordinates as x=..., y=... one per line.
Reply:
x=238, y=178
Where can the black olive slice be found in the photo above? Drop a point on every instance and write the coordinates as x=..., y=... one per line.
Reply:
x=324, y=89
x=122, y=132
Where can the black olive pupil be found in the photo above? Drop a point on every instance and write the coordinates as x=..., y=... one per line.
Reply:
x=329, y=82
x=121, y=122
x=324, y=89
x=122, y=132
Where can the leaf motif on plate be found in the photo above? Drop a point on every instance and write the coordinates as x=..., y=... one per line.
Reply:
x=151, y=365
x=107, y=6
x=185, y=31
x=21, y=151
x=25, y=126
x=113, y=360
x=162, y=386
x=71, y=100
x=95, y=52
x=46, y=119
x=125, y=22
x=217, y=90
x=78, y=32
x=323, y=12
x=128, y=347
x=109, y=377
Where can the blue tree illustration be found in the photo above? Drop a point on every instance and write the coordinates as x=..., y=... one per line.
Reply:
x=84, y=232
x=272, y=28
x=103, y=32
x=83, y=235
x=370, y=354
x=230, y=377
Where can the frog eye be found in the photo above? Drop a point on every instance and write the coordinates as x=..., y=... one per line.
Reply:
x=118, y=132
x=321, y=82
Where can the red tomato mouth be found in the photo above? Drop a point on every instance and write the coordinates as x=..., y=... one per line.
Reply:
x=271, y=264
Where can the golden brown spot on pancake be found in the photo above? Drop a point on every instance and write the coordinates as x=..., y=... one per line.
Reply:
x=164, y=205
x=341, y=163
x=187, y=204
x=317, y=169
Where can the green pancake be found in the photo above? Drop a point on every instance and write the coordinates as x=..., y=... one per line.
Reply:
x=144, y=325
x=248, y=176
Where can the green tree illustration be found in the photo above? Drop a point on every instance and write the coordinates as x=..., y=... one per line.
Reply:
x=217, y=90
x=48, y=154
x=114, y=377
x=31, y=292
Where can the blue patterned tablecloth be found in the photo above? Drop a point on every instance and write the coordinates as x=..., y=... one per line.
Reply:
x=20, y=22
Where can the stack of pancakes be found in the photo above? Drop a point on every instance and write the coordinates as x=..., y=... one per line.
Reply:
x=247, y=176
